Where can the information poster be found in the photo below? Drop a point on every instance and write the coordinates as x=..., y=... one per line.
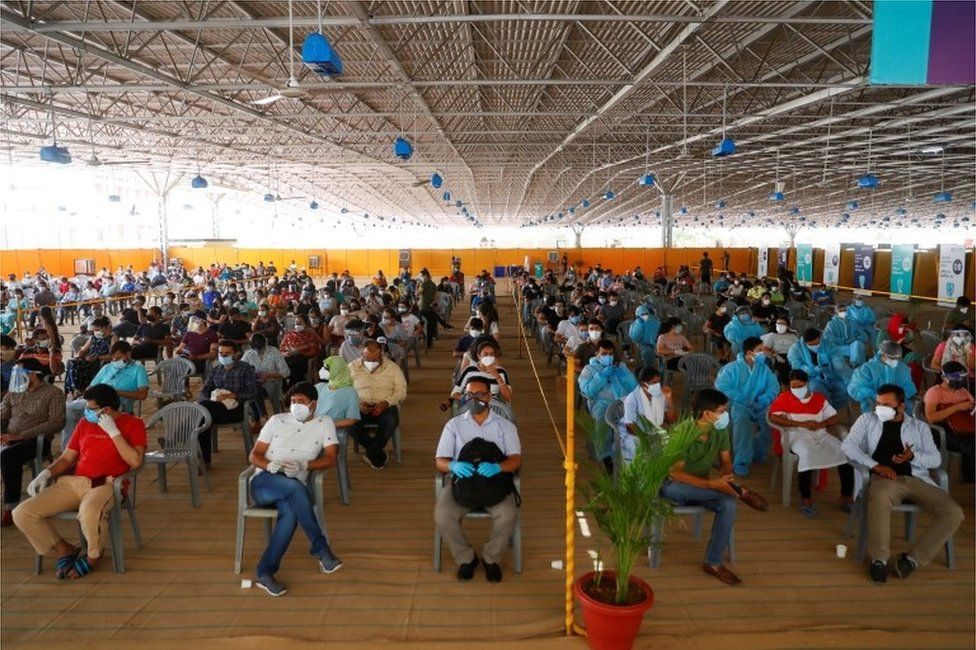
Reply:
x=863, y=268
x=831, y=265
x=952, y=265
x=902, y=269
x=762, y=268
x=782, y=258
x=804, y=264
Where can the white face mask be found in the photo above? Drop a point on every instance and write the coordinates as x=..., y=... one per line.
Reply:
x=891, y=363
x=371, y=365
x=324, y=374
x=488, y=360
x=475, y=333
x=655, y=389
x=300, y=411
x=766, y=301
x=842, y=315
x=885, y=413
x=801, y=393
x=299, y=328
x=595, y=336
x=678, y=329
x=964, y=310
x=781, y=328
x=959, y=339
x=343, y=311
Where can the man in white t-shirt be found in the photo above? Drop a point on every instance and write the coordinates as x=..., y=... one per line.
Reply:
x=477, y=422
x=651, y=400
x=289, y=447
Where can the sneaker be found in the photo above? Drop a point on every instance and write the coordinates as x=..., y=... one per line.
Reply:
x=493, y=572
x=328, y=562
x=466, y=571
x=375, y=464
x=270, y=585
x=809, y=511
x=878, y=572
x=904, y=566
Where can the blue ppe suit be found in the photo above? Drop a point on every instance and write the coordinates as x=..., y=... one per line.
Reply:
x=750, y=389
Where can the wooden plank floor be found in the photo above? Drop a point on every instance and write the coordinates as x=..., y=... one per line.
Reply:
x=181, y=586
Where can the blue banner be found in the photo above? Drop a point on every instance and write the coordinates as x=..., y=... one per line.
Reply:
x=863, y=267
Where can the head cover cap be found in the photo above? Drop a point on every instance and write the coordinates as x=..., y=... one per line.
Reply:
x=891, y=350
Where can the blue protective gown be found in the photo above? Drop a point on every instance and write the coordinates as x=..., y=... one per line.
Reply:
x=750, y=389
x=830, y=375
x=870, y=376
x=602, y=386
x=848, y=338
x=863, y=319
x=644, y=335
x=736, y=332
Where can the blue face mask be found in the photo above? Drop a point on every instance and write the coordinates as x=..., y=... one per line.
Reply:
x=745, y=318
x=225, y=360
x=813, y=347
x=118, y=364
x=759, y=357
x=91, y=415
x=574, y=320
x=606, y=361
x=723, y=421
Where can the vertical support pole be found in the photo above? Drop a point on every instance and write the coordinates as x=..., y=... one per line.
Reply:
x=569, y=464
x=667, y=220
x=163, y=228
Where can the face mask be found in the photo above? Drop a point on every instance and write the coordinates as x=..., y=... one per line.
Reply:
x=800, y=393
x=759, y=357
x=574, y=320
x=958, y=339
x=300, y=411
x=885, y=413
x=678, y=329
x=602, y=300
x=343, y=311
x=91, y=416
x=605, y=360
x=18, y=380
x=371, y=365
x=354, y=338
x=858, y=303
x=118, y=364
x=723, y=421
x=475, y=333
x=324, y=374
x=476, y=405
x=655, y=390
x=314, y=321
x=594, y=335
x=891, y=363
x=225, y=360
x=956, y=384
x=842, y=315
x=613, y=303
x=745, y=318
x=8, y=355
x=45, y=344
x=722, y=310
x=964, y=310
x=299, y=328
x=402, y=310
x=781, y=328
x=813, y=347
x=488, y=360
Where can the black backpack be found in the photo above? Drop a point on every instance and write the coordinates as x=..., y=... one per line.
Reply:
x=478, y=491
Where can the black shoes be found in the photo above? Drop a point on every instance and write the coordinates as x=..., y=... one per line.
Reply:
x=493, y=572
x=466, y=571
x=904, y=566
x=878, y=572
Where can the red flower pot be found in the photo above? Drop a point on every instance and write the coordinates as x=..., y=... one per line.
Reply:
x=609, y=626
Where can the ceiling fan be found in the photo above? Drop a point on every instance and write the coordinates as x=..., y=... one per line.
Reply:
x=292, y=89
x=95, y=161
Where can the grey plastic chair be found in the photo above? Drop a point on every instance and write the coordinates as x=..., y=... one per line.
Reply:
x=930, y=341
x=342, y=467
x=789, y=459
x=699, y=371
x=172, y=376
x=125, y=497
x=183, y=422
x=397, y=450
x=612, y=417
x=246, y=508
x=245, y=426
x=657, y=534
x=440, y=482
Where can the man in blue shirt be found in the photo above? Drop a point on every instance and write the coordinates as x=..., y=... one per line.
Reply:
x=211, y=296
x=127, y=377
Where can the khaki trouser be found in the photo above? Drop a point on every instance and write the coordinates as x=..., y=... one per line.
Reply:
x=884, y=494
x=447, y=518
x=67, y=494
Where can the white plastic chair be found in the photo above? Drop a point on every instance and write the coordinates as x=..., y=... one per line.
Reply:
x=657, y=534
x=789, y=459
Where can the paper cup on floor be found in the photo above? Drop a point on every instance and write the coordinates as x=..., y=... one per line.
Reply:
x=557, y=564
x=245, y=583
x=841, y=551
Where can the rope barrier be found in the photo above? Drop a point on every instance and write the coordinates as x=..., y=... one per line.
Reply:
x=569, y=464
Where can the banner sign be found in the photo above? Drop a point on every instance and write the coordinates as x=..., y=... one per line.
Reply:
x=762, y=269
x=804, y=263
x=902, y=267
x=952, y=265
x=831, y=265
x=863, y=268
x=782, y=258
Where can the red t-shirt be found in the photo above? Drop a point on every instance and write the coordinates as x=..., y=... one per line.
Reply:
x=97, y=455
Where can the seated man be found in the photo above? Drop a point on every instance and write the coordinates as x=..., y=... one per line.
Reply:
x=950, y=405
x=381, y=387
x=643, y=333
x=352, y=347
x=476, y=422
x=959, y=315
x=751, y=386
x=230, y=382
x=151, y=335
x=602, y=381
x=476, y=327
x=31, y=409
x=690, y=482
x=899, y=451
x=885, y=368
x=822, y=295
x=848, y=337
x=827, y=368
x=289, y=447
x=652, y=401
x=127, y=377
x=586, y=348
x=862, y=317
x=741, y=327
x=105, y=445
x=806, y=415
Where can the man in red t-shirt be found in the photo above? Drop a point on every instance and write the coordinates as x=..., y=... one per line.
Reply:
x=105, y=445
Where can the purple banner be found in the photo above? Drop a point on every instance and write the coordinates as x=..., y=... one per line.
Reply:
x=863, y=266
x=952, y=53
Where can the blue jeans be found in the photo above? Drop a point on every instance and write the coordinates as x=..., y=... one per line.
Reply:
x=723, y=505
x=294, y=504
x=750, y=437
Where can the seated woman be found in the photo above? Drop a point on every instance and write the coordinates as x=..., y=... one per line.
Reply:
x=950, y=405
x=957, y=347
x=779, y=342
x=652, y=401
x=807, y=416
x=485, y=351
x=338, y=398
x=298, y=346
x=86, y=364
x=199, y=344
x=715, y=328
x=672, y=344
x=45, y=348
x=764, y=311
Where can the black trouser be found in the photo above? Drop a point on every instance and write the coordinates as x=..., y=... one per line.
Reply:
x=219, y=414
x=386, y=422
x=145, y=351
x=298, y=364
x=845, y=471
x=432, y=319
x=963, y=445
x=12, y=460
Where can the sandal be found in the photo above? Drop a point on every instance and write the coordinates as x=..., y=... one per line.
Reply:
x=81, y=567
x=65, y=564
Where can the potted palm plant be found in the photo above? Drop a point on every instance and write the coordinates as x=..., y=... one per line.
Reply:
x=626, y=506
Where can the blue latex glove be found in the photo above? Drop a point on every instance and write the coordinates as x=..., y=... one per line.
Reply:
x=489, y=469
x=462, y=469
